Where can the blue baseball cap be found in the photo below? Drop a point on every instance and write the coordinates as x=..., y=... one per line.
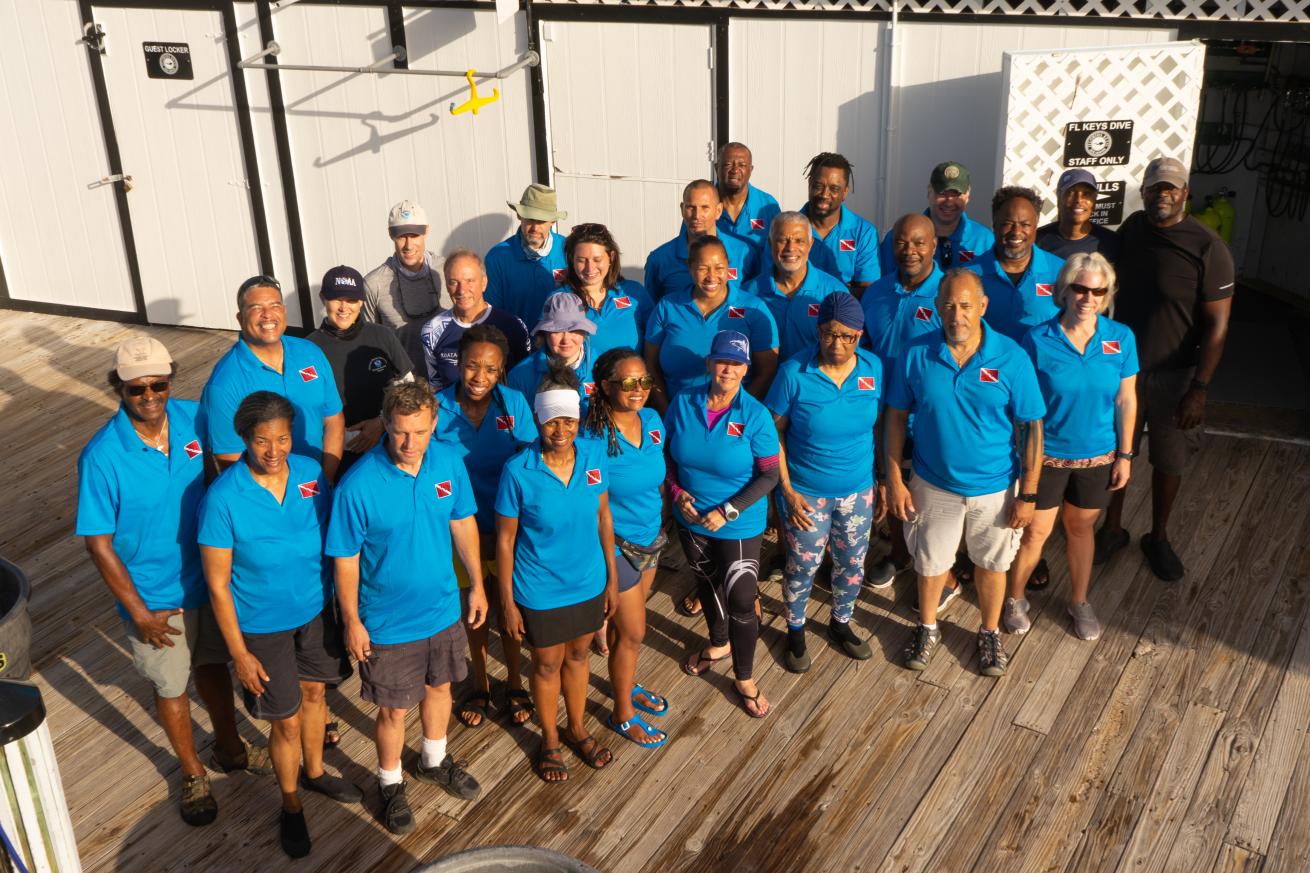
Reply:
x=729, y=345
x=1069, y=178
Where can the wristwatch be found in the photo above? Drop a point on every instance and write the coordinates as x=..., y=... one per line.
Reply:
x=730, y=512
x=1028, y=497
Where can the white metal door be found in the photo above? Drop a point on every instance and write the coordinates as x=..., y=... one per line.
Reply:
x=631, y=111
x=179, y=141
x=1069, y=108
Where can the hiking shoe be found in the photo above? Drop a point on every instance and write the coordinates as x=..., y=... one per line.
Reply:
x=1085, y=625
x=948, y=594
x=992, y=659
x=1164, y=561
x=840, y=632
x=796, y=659
x=198, y=805
x=450, y=776
x=293, y=833
x=1108, y=542
x=919, y=652
x=884, y=573
x=396, y=814
x=255, y=760
x=334, y=787
x=1015, y=617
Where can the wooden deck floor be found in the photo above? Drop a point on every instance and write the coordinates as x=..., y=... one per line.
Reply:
x=1178, y=741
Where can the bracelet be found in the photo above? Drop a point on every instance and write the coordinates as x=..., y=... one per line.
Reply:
x=1198, y=385
x=1127, y=456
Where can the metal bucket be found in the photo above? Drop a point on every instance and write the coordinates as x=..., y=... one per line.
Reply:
x=507, y=859
x=15, y=623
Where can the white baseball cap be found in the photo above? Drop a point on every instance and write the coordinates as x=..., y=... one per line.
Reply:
x=407, y=217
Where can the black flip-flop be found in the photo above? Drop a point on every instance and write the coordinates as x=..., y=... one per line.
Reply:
x=682, y=608
x=1040, y=577
x=518, y=700
x=328, y=730
x=478, y=703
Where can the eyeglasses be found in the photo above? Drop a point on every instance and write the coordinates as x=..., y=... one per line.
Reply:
x=139, y=390
x=632, y=383
x=846, y=339
x=1083, y=289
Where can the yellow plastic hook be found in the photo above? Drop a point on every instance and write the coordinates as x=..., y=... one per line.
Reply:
x=474, y=102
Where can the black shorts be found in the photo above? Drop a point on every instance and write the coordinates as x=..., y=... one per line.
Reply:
x=312, y=652
x=1159, y=392
x=552, y=627
x=396, y=675
x=1085, y=487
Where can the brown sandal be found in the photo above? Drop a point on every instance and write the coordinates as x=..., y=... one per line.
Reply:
x=589, y=749
x=701, y=663
x=548, y=763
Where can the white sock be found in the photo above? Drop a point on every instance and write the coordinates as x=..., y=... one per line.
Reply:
x=390, y=777
x=434, y=752
x=932, y=626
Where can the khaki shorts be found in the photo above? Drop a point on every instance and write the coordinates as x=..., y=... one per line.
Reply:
x=933, y=535
x=168, y=668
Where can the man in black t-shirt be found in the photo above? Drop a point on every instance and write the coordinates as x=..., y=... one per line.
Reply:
x=1176, y=280
x=1073, y=232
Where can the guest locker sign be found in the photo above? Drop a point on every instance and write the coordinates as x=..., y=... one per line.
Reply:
x=168, y=60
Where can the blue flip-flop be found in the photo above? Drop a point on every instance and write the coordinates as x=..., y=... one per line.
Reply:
x=662, y=702
x=622, y=728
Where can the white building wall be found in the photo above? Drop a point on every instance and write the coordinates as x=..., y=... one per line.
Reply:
x=60, y=240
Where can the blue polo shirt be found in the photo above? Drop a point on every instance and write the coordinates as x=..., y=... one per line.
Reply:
x=667, y=272
x=850, y=251
x=528, y=373
x=1080, y=389
x=399, y=525
x=558, y=560
x=621, y=319
x=1014, y=309
x=713, y=465
x=684, y=335
x=964, y=417
x=797, y=316
x=306, y=380
x=280, y=579
x=148, y=501
x=895, y=316
x=968, y=241
x=506, y=428
x=752, y=223
x=521, y=284
x=636, y=474
x=830, y=430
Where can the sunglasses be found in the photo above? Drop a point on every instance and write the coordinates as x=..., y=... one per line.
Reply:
x=846, y=339
x=1084, y=289
x=139, y=390
x=632, y=383
x=259, y=282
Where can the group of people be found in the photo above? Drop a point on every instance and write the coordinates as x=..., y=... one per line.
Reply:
x=384, y=490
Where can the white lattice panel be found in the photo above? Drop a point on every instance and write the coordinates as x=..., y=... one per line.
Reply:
x=1173, y=10
x=1158, y=87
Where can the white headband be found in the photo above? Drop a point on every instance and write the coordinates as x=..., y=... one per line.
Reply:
x=556, y=403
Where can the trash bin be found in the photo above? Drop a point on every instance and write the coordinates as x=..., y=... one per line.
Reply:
x=33, y=812
x=15, y=623
x=507, y=859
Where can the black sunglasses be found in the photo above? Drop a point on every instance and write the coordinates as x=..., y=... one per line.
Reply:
x=1083, y=289
x=138, y=390
x=259, y=282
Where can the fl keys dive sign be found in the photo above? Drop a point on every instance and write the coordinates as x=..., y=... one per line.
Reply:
x=168, y=60
x=1097, y=143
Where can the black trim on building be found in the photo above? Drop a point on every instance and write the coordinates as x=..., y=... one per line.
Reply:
x=543, y=173
x=396, y=28
x=246, y=131
x=722, y=116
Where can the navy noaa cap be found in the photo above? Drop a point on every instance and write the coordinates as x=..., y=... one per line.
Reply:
x=342, y=283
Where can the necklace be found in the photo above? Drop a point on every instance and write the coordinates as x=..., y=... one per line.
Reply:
x=159, y=441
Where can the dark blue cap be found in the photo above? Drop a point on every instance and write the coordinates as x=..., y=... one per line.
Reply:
x=729, y=345
x=342, y=281
x=843, y=308
x=1069, y=178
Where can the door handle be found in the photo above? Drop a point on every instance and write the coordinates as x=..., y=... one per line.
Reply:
x=109, y=180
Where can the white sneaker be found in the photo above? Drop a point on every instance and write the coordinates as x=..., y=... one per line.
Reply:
x=1015, y=616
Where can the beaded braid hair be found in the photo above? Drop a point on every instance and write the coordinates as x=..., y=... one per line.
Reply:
x=600, y=415
x=829, y=160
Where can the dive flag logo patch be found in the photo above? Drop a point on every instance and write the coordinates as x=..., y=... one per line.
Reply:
x=732, y=274
x=736, y=312
x=989, y=374
x=845, y=245
x=193, y=449
x=1109, y=347
x=655, y=437
x=559, y=275
x=866, y=383
x=622, y=302
x=443, y=489
x=757, y=224
x=1045, y=289
x=965, y=256
x=593, y=477
x=308, y=374
x=504, y=422
x=588, y=388
x=736, y=428
x=814, y=310
x=923, y=313
x=308, y=489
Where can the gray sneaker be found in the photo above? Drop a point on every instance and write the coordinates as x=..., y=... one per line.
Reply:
x=1085, y=625
x=883, y=573
x=992, y=659
x=450, y=775
x=919, y=652
x=1015, y=617
x=948, y=594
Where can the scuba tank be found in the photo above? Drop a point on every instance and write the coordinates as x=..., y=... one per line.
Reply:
x=1208, y=216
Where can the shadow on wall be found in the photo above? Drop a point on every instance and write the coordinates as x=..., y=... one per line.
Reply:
x=466, y=235
x=858, y=123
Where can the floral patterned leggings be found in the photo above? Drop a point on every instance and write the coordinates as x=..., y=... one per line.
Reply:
x=842, y=522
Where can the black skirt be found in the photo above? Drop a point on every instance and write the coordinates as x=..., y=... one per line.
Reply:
x=552, y=627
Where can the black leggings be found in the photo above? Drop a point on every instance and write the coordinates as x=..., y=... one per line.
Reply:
x=727, y=579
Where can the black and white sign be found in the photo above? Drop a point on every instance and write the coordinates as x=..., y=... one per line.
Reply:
x=1097, y=143
x=1109, y=208
x=168, y=60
